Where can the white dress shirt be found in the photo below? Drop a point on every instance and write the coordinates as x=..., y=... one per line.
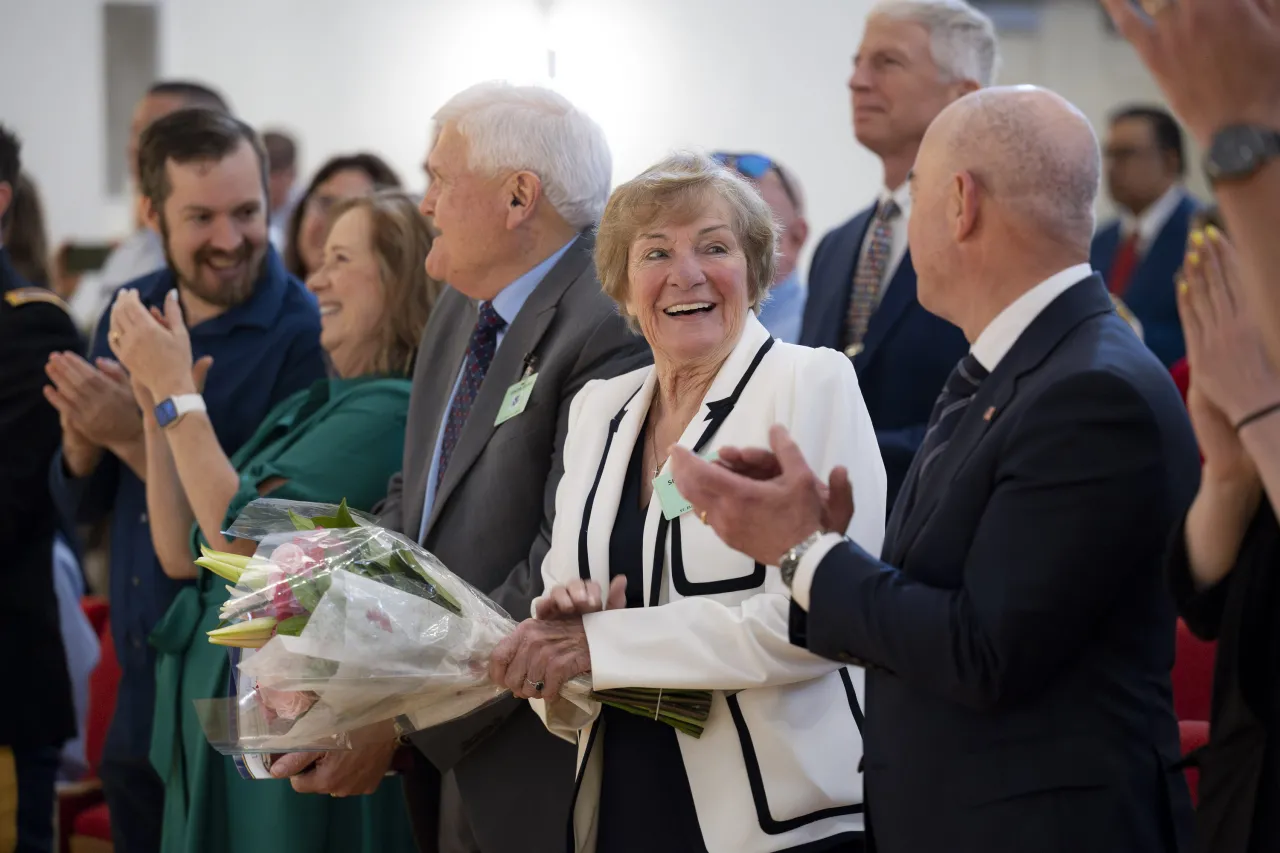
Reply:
x=992, y=345
x=898, y=227
x=1153, y=220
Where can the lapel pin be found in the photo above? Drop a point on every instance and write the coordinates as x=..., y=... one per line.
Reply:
x=989, y=414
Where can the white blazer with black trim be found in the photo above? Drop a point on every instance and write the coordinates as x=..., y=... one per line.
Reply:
x=777, y=767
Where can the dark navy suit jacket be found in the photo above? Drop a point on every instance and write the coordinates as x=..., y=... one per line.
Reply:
x=907, y=353
x=1017, y=633
x=1151, y=294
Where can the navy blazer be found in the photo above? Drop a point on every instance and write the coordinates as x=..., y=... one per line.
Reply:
x=1018, y=635
x=1151, y=294
x=907, y=353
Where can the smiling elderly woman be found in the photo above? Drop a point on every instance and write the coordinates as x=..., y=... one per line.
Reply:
x=687, y=250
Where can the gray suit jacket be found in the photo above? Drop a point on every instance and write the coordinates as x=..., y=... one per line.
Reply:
x=491, y=522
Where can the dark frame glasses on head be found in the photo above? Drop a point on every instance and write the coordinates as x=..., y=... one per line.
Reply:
x=755, y=167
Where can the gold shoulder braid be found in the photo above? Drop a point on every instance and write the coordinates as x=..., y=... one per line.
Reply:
x=28, y=295
x=1127, y=315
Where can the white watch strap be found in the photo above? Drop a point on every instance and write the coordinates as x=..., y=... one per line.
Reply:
x=186, y=403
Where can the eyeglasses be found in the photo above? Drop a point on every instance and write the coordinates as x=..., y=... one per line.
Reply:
x=1126, y=154
x=755, y=167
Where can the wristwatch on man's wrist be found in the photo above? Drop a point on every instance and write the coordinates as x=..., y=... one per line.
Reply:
x=1239, y=150
x=791, y=560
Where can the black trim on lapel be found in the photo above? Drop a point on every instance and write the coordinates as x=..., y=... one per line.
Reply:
x=655, y=576
x=755, y=779
x=900, y=294
x=717, y=413
x=584, y=557
x=852, y=695
x=1082, y=301
x=521, y=339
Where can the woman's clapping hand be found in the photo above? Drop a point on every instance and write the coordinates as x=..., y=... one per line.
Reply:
x=1231, y=374
x=154, y=346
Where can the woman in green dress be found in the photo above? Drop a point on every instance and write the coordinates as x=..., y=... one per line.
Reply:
x=342, y=438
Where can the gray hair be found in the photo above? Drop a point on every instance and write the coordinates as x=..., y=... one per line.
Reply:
x=535, y=129
x=961, y=38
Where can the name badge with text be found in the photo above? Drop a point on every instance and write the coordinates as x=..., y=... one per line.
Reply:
x=516, y=399
x=673, y=503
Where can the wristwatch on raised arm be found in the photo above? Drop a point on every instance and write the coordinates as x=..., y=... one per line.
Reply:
x=1239, y=150
x=791, y=560
x=169, y=411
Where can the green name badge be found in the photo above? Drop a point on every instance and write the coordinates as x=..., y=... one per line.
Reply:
x=673, y=503
x=517, y=398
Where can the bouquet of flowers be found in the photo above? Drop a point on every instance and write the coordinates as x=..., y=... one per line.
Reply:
x=354, y=624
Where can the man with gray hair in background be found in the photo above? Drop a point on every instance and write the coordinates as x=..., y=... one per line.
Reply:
x=518, y=178
x=916, y=57
x=142, y=252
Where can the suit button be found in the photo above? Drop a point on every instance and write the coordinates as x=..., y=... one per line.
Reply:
x=137, y=644
x=143, y=518
x=137, y=581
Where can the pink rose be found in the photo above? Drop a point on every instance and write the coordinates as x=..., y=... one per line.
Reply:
x=286, y=704
x=290, y=559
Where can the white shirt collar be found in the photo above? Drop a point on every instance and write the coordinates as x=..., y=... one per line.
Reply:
x=1003, y=332
x=1153, y=220
x=901, y=197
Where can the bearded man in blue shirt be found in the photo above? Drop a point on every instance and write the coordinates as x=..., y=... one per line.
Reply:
x=204, y=178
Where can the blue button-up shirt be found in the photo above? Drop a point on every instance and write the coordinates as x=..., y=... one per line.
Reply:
x=263, y=350
x=508, y=304
x=783, y=311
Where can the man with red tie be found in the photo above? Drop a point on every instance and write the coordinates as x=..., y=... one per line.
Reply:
x=1140, y=253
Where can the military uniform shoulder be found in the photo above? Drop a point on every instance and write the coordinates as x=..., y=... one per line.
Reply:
x=20, y=296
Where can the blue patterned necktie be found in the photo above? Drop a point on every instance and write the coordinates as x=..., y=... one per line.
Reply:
x=868, y=277
x=480, y=350
x=952, y=403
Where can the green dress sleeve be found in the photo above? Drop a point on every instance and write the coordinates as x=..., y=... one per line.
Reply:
x=350, y=452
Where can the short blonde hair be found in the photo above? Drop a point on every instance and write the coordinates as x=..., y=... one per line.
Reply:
x=401, y=238
x=678, y=189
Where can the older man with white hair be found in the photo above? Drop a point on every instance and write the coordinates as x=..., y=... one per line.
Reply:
x=916, y=57
x=518, y=178
x=1015, y=628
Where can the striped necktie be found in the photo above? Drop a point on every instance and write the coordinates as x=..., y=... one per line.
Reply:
x=480, y=351
x=868, y=278
x=952, y=403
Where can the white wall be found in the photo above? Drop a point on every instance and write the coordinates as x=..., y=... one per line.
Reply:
x=1097, y=71
x=345, y=75
x=658, y=74
x=52, y=94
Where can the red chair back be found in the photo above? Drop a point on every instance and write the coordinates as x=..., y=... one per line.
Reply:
x=1192, y=675
x=1193, y=735
x=103, y=684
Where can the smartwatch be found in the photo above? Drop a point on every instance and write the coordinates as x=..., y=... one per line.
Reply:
x=170, y=411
